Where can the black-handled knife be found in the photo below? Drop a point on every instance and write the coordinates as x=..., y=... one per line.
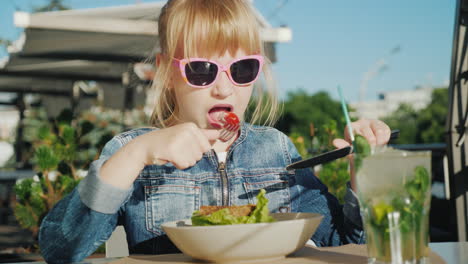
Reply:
x=330, y=155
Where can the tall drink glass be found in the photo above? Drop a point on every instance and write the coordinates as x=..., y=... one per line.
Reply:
x=393, y=187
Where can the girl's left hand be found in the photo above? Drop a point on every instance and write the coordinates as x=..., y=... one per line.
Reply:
x=375, y=131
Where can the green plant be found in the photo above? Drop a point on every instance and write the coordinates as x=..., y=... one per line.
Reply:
x=333, y=174
x=300, y=144
x=61, y=150
x=57, y=176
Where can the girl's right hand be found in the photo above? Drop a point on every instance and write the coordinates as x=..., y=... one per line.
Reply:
x=182, y=145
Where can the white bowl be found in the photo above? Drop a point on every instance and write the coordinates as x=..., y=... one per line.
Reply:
x=244, y=242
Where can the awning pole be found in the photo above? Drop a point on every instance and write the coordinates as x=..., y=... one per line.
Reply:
x=19, y=141
x=457, y=142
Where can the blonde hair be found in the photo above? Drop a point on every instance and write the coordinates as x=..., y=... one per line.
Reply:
x=212, y=26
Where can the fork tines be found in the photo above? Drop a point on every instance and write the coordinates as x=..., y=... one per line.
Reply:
x=228, y=132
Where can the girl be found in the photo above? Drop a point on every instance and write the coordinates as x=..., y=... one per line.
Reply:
x=149, y=176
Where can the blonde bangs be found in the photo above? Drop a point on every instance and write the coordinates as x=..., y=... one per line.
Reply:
x=202, y=32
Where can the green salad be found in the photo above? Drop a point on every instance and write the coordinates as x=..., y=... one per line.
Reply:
x=260, y=214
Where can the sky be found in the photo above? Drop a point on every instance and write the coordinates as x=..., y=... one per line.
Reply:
x=379, y=45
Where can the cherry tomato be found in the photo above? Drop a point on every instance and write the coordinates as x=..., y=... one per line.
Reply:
x=231, y=119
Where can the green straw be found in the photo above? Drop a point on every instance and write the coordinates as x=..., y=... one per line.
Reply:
x=346, y=114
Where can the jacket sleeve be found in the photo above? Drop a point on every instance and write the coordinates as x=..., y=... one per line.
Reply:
x=84, y=219
x=341, y=224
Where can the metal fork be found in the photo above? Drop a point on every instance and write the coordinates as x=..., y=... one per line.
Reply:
x=230, y=128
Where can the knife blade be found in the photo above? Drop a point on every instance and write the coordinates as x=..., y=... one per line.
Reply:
x=330, y=155
x=322, y=158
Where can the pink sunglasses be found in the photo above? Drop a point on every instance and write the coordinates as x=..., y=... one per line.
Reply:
x=201, y=73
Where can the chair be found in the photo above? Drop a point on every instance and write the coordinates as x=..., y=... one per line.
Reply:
x=116, y=245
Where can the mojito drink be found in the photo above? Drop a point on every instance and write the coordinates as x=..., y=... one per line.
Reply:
x=394, y=194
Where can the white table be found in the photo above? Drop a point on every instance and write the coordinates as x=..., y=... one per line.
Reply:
x=451, y=252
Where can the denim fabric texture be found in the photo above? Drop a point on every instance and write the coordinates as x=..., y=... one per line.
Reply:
x=86, y=218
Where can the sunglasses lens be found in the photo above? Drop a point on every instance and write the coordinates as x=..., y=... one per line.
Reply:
x=245, y=71
x=201, y=73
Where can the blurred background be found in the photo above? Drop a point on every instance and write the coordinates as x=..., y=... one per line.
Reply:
x=73, y=73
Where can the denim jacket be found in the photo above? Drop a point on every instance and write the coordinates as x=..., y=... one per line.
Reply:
x=83, y=220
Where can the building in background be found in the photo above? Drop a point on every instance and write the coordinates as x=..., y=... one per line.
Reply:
x=388, y=102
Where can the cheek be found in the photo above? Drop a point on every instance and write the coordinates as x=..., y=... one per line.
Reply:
x=244, y=99
x=246, y=94
x=188, y=99
x=176, y=79
x=181, y=89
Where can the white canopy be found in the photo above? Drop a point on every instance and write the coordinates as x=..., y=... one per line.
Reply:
x=90, y=44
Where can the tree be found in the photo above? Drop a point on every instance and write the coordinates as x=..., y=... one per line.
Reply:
x=431, y=120
x=424, y=126
x=5, y=43
x=404, y=119
x=306, y=114
x=53, y=5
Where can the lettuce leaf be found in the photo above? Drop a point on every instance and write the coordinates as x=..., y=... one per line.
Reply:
x=223, y=217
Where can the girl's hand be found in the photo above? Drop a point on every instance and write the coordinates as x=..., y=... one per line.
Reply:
x=375, y=131
x=182, y=145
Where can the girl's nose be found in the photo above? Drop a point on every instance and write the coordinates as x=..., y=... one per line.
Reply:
x=223, y=87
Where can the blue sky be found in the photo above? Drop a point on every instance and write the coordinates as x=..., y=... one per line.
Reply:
x=337, y=42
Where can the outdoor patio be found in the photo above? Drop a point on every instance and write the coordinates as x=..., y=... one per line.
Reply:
x=96, y=66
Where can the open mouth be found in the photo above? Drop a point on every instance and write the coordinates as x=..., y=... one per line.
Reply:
x=216, y=112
